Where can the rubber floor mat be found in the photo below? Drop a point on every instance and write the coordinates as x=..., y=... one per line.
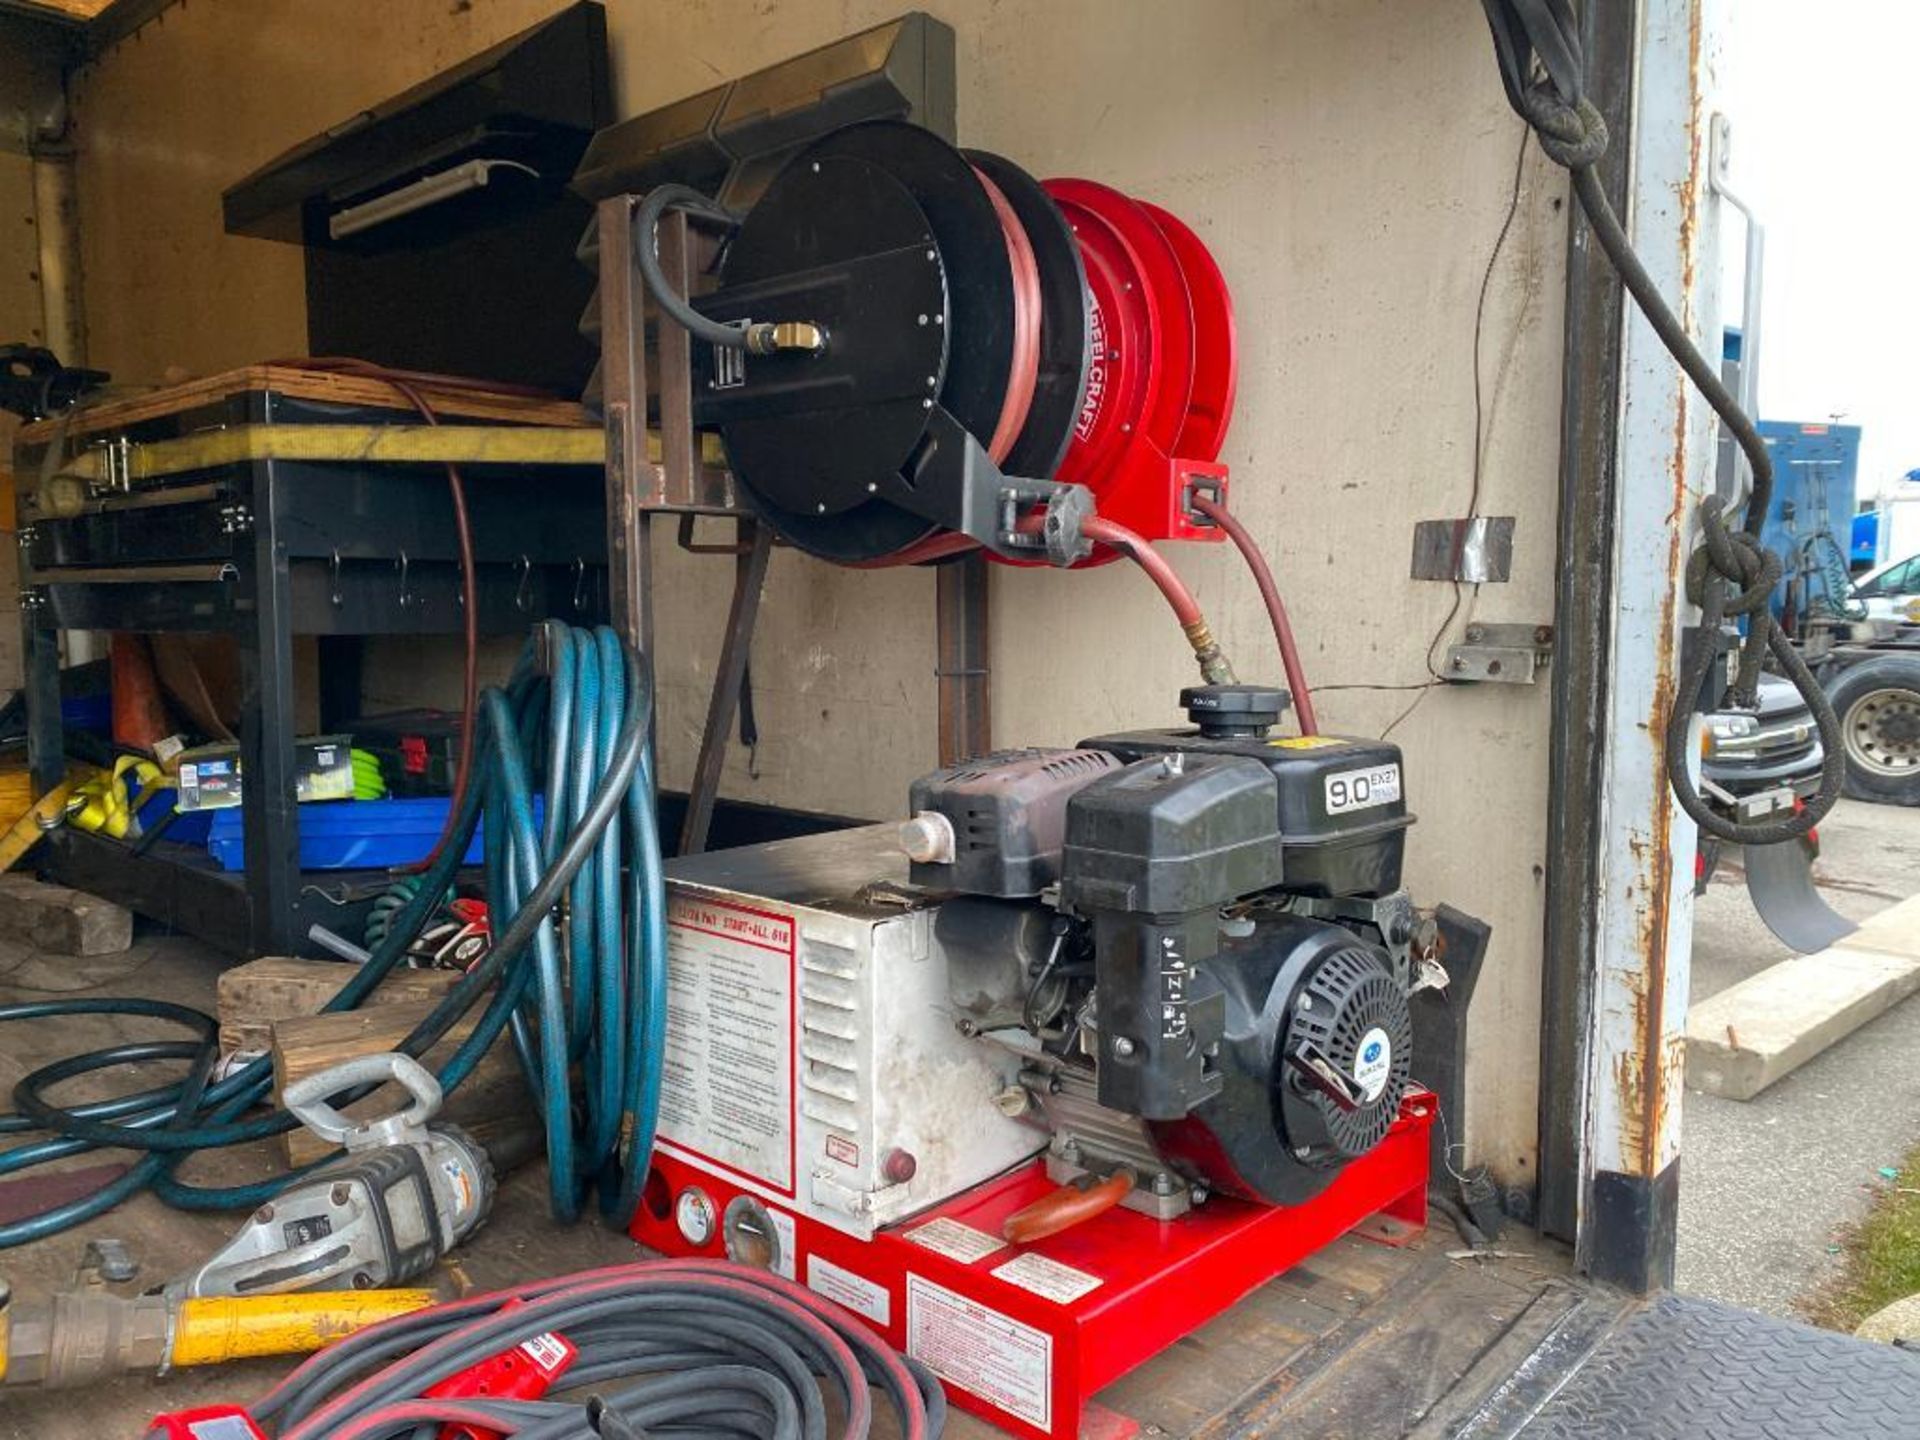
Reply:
x=1683, y=1369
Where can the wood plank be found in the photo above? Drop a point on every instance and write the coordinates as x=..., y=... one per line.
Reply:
x=1385, y=1367
x=1202, y=1374
x=330, y=387
x=63, y=921
x=252, y=997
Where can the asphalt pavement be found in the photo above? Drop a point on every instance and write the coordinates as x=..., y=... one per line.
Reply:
x=1768, y=1185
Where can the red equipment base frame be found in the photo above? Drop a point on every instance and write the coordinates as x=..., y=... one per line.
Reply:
x=1027, y=1351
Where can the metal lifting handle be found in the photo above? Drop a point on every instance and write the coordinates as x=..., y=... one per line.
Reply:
x=308, y=1100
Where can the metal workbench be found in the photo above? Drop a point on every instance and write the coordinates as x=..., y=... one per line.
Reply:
x=203, y=508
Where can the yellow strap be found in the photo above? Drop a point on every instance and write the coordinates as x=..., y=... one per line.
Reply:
x=22, y=834
x=102, y=804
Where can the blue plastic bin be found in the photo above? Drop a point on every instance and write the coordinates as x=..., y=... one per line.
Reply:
x=352, y=834
x=93, y=713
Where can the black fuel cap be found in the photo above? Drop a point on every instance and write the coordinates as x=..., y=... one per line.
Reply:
x=1225, y=712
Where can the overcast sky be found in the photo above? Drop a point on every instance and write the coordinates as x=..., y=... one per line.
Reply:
x=1821, y=98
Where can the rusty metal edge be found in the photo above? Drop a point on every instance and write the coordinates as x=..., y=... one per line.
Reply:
x=1583, y=602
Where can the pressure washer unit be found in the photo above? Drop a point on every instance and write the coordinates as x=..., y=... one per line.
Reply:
x=1102, y=1037
x=1096, y=1042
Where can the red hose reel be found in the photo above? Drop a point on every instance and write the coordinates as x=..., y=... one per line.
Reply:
x=988, y=339
x=1162, y=365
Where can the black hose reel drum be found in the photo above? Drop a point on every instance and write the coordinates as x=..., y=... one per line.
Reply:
x=952, y=350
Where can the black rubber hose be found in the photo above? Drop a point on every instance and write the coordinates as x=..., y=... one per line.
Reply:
x=1543, y=35
x=700, y=1348
x=646, y=253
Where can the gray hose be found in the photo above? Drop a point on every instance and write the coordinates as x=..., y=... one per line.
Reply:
x=646, y=225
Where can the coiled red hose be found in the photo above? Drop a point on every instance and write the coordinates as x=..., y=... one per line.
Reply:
x=669, y=1331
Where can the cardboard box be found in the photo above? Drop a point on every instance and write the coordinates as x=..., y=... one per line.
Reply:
x=210, y=774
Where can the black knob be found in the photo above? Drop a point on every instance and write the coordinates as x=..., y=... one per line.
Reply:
x=1225, y=712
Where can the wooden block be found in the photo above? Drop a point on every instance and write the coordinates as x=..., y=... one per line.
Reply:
x=305, y=1045
x=278, y=987
x=66, y=922
x=1769, y=1025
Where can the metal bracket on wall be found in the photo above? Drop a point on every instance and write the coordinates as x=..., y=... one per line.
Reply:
x=1474, y=550
x=1502, y=654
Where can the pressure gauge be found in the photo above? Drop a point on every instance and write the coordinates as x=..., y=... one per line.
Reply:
x=694, y=1213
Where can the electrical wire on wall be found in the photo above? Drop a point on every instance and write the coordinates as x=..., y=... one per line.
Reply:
x=1435, y=676
x=1731, y=575
x=1480, y=438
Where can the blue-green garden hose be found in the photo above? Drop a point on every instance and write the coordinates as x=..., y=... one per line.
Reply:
x=604, y=1010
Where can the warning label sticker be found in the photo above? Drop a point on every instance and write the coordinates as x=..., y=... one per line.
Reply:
x=956, y=1241
x=1005, y=1363
x=843, y=1287
x=728, y=1088
x=548, y=1352
x=1046, y=1278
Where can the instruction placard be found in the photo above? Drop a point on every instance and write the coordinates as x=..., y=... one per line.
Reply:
x=1005, y=1363
x=844, y=1287
x=1047, y=1278
x=956, y=1241
x=727, y=1094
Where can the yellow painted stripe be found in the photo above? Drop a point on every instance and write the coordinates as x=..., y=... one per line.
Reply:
x=370, y=444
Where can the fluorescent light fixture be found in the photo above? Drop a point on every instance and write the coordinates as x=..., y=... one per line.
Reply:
x=427, y=190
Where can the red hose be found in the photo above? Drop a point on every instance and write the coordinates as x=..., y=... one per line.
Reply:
x=1276, y=607
x=1026, y=324
x=1106, y=532
x=931, y=547
x=407, y=383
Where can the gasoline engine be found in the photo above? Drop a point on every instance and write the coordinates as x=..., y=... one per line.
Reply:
x=1194, y=941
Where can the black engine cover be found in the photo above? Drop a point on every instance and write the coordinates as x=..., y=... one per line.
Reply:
x=1296, y=988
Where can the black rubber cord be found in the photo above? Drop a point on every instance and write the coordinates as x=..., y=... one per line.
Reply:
x=703, y=1348
x=1538, y=47
x=646, y=251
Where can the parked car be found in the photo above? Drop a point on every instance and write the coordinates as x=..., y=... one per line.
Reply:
x=1892, y=591
x=1773, y=751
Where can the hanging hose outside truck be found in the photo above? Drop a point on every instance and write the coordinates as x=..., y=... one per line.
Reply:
x=1537, y=43
x=594, y=998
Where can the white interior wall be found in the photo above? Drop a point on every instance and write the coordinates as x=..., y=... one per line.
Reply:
x=1349, y=162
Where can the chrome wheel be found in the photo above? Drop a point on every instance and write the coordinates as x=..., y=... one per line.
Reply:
x=1883, y=733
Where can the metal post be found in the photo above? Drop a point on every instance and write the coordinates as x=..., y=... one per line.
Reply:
x=750, y=577
x=268, y=807
x=46, y=739
x=1583, y=609
x=623, y=387
x=1643, y=890
x=966, y=713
